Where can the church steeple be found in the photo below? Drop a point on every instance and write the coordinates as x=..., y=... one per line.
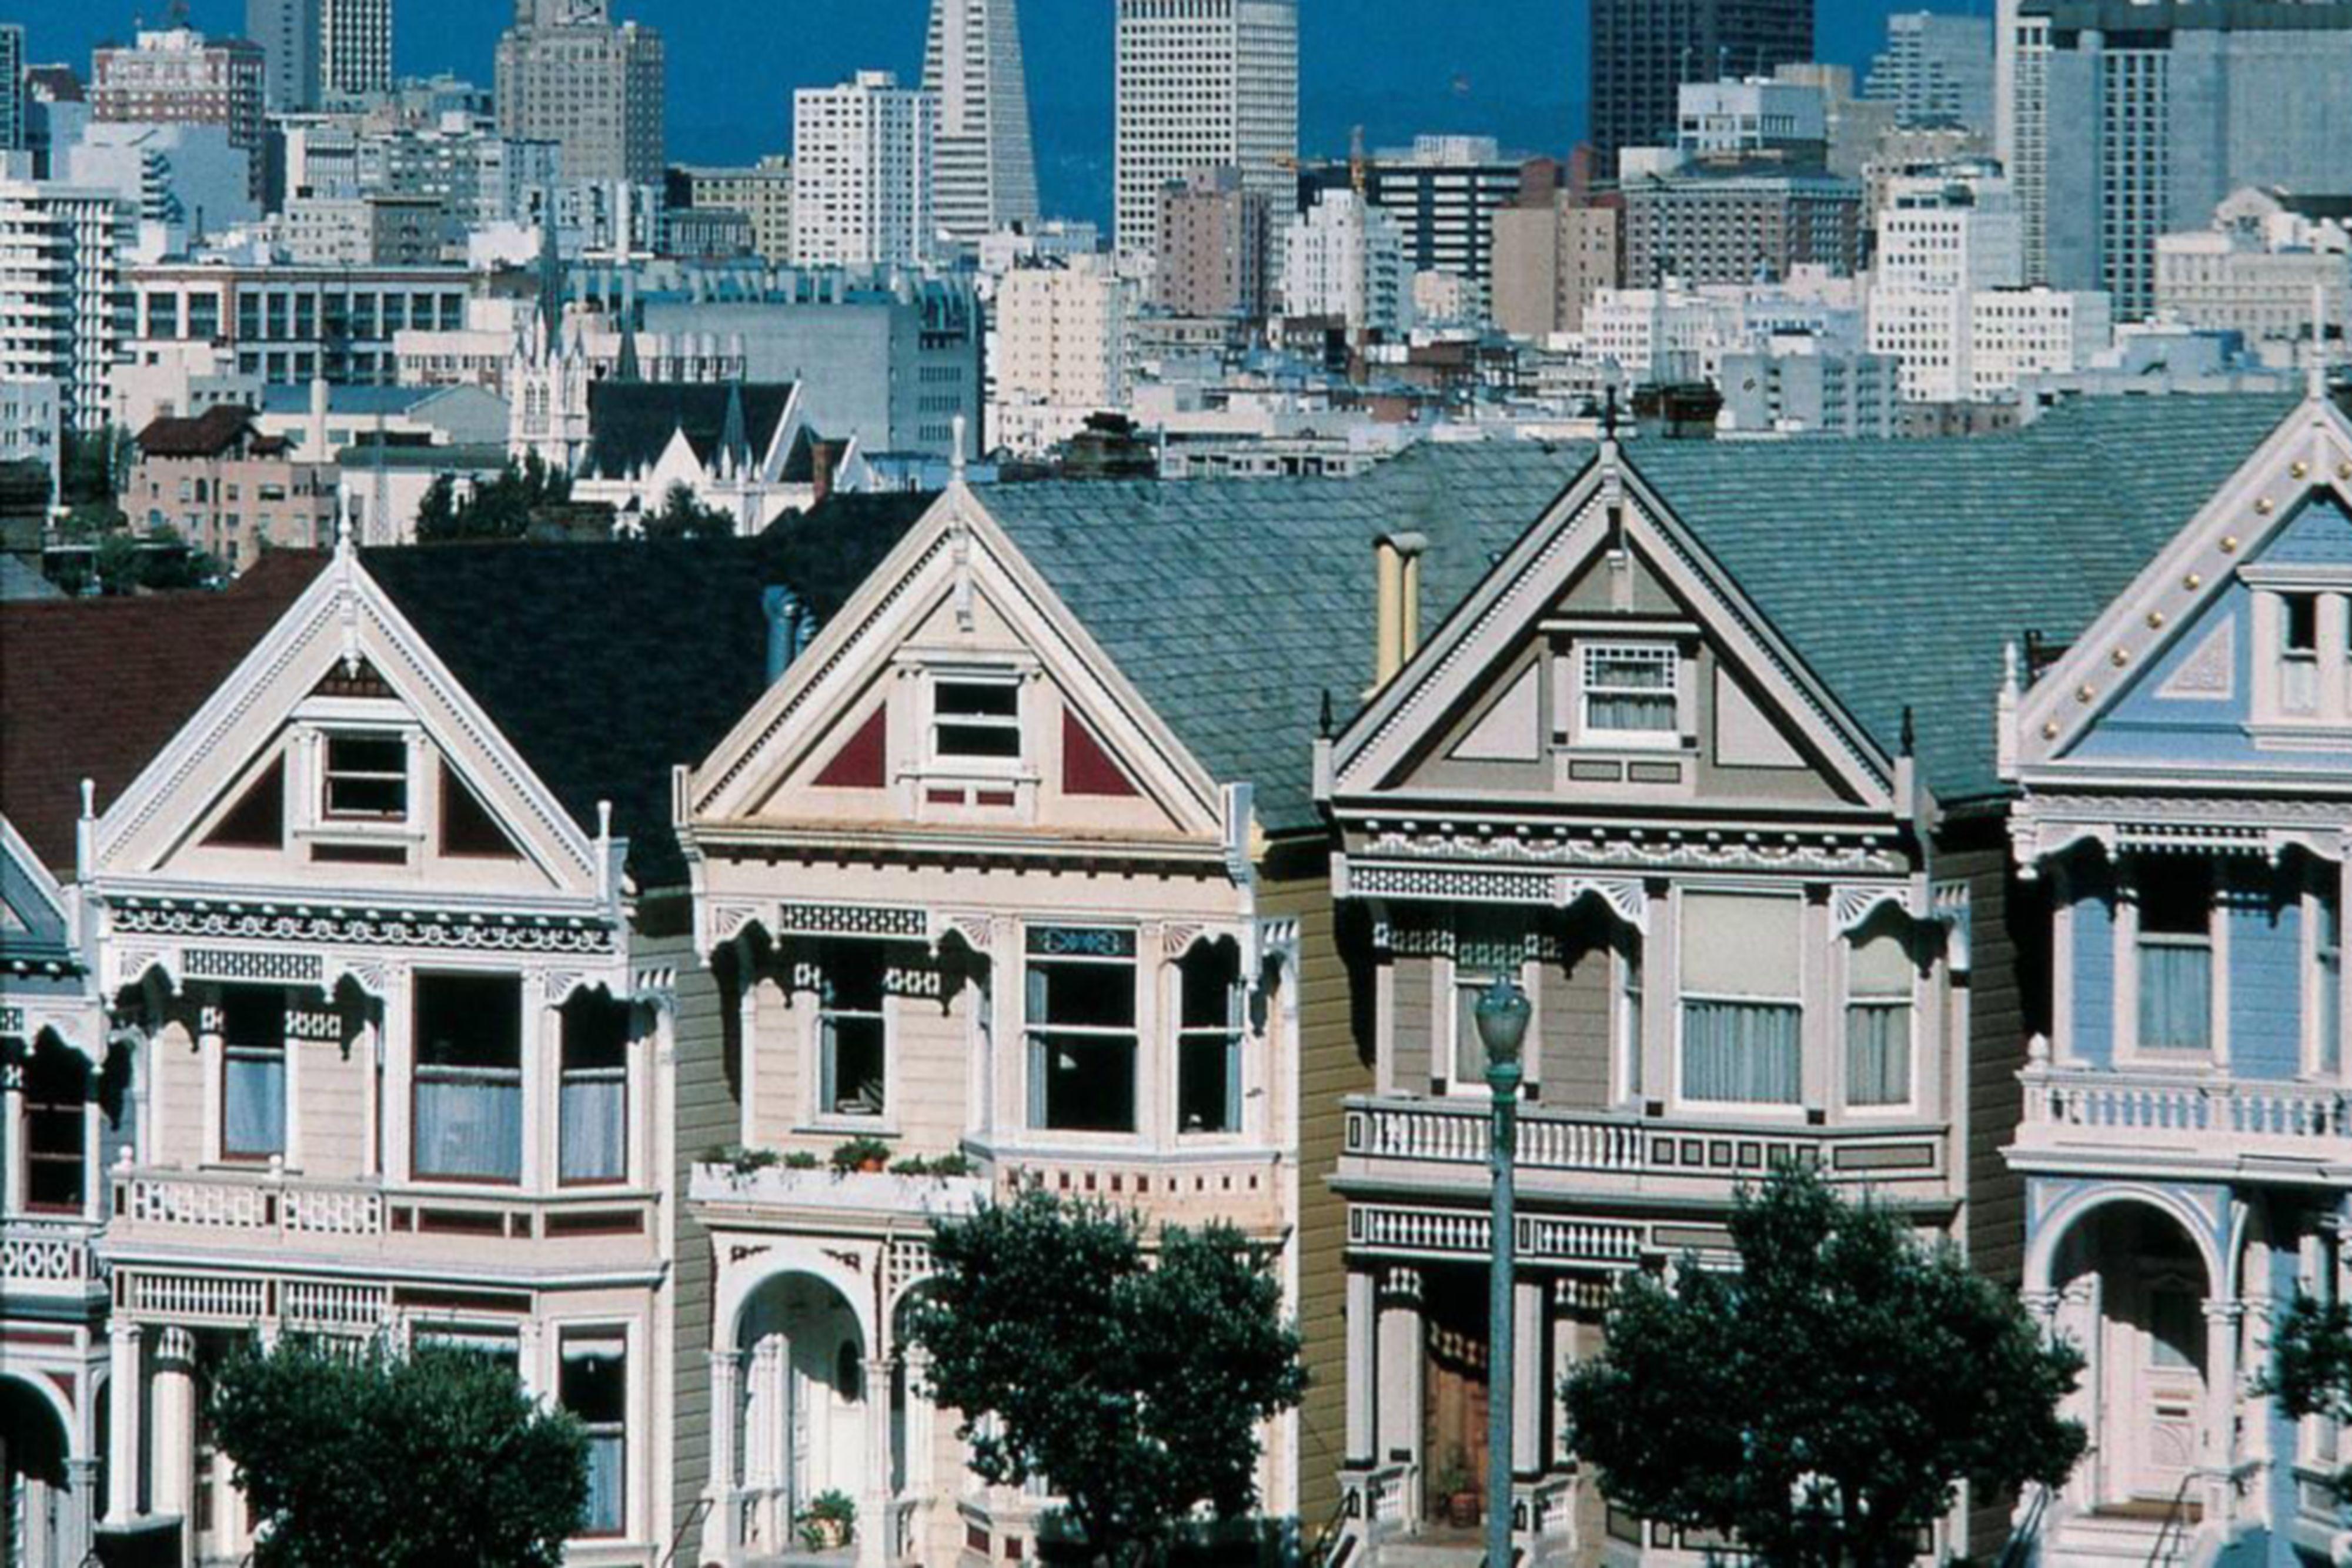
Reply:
x=551, y=272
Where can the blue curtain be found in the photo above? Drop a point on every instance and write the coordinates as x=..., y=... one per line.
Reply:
x=469, y=1122
x=252, y=1119
x=1034, y=1018
x=1877, y=1055
x=1741, y=1050
x=605, y=1472
x=2176, y=996
x=592, y=1130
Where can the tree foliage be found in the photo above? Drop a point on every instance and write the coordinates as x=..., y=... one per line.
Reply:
x=91, y=464
x=505, y=508
x=359, y=1458
x=1133, y=1387
x=684, y=516
x=2311, y=1365
x=1823, y=1403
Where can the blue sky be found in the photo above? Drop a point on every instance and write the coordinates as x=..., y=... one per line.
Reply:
x=1513, y=68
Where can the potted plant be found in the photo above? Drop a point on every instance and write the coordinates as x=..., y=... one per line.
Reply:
x=829, y=1521
x=800, y=1160
x=1457, y=1490
x=862, y=1154
x=738, y=1159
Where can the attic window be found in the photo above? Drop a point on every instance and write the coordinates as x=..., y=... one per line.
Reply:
x=367, y=776
x=976, y=720
x=1631, y=694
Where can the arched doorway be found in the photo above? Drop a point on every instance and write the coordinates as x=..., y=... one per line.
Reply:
x=36, y=1496
x=806, y=1424
x=2132, y=1284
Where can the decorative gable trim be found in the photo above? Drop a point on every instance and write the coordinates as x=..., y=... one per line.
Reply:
x=2309, y=455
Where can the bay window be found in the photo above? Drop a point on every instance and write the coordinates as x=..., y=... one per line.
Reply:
x=252, y=1072
x=852, y=1028
x=2175, y=954
x=1209, y=1039
x=593, y=1385
x=1879, y=970
x=57, y=1086
x=593, y=1098
x=468, y=1093
x=1080, y=1014
x=1742, y=1012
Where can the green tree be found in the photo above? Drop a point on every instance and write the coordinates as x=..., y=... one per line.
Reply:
x=503, y=508
x=1821, y=1403
x=91, y=466
x=684, y=516
x=437, y=511
x=1132, y=1385
x=354, y=1457
x=2311, y=1366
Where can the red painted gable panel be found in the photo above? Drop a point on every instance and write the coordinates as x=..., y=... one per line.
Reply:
x=1086, y=768
x=864, y=761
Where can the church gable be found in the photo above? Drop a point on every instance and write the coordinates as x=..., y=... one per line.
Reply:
x=342, y=755
x=954, y=693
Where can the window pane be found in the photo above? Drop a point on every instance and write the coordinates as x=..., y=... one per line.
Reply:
x=1086, y=996
x=2175, y=995
x=1741, y=1052
x=1207, y=1082
x=2176, y=898
x=968, y=698
x=57, y=1085
x=1879, y=966
x=367, y=775
x=852, y=1066
x=593, y=1386
x=468, y=1100
x=1741, y=945
x=1089, y=1082
x=1878, y=1055
x=1469, y=1050
x=253, y=1111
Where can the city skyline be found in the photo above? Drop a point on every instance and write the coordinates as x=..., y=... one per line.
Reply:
x=1514, y=69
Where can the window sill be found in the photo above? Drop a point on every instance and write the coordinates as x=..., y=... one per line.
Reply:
x=834, y=1126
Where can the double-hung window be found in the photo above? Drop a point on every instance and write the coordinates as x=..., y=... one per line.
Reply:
x=1742, y=1012
x=1080, y=1014
x=593, y=1385
x=976, y=720
x=2176, y=954
x=1209, y=1039
x=252, y=1072
x=366, y=777
x=1878, y=1020
x=2328, y=992
x=1629, y=1013
x=2299, y=653
x=468, y=1097
x=1486, y=945
x=852, y=1028
x=57, y=1085
x=592, y=1122
x=1631, y=694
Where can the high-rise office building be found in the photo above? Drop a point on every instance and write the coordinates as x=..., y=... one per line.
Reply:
x=566, y=74
x=178, y=77
x=983, y=169
x=287, y=32
x=1936, y=69
x=322, y=49
x=1216, y=240
x=12, y=87
x=861, y=174
x=1202, y=84
x=2119, y=122
x=1442, y=191
x=62, y=249
x=1642, y=52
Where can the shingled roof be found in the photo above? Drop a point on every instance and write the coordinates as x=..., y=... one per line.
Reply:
x=630, y=423
x=608, y=665
x=1896, y=569
x=93, y=688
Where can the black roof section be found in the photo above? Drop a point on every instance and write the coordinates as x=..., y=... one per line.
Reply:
x=630, y=423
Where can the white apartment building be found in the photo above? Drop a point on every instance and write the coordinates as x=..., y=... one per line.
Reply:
x=62, y=249
x=2040, y=331
x=984, y=170
x=861, y=174
x=190, y=178
x=1344, y=257
x=31, y=421
x=12, y=71
x=1742, y=118
x=1202, y=84
x=1666, y=334
x=1061, y=351
x=1942, y=238
x=2254, y=269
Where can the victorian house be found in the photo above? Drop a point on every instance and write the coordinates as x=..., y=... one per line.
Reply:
x=2183, y=769
x=1704, y=762
x=89, y=691
x=398, y=932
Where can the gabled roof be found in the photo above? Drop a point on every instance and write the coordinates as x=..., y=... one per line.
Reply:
x=1895, y=569
x=93, y=688
x=21, y=582
x=208, y=434
x=631, y=423
x=608, y=665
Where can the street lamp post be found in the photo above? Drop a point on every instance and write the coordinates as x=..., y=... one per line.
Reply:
x=1501, y=1013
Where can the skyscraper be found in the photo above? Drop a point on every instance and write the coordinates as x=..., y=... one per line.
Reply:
x=1202, y=84
x=12, y=87
x=567, y=74
x=177, y=77
x=1644, y=50
x=1937, y=69
x=354, y=47
x=2119, y=122
x=861, y=174
x=287, y=32
x=983, y=172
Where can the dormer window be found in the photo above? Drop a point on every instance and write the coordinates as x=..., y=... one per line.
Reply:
x=1630, y=694
x=976, y=720
x=366, y=777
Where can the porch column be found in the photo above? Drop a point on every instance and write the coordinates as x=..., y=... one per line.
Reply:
x=1363, y=1366
x=873, y=1541
x=2223, y=1320
x=725, y=1428
x=1403, y=1367
x=173, y=1488
x=922, y=1424
x=122, y=1390
x=1528, y=1369
x=74, y=1529
x=12, y=1118
x=1661, y=987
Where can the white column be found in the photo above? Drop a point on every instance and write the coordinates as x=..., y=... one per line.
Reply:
x=1363, y=1367
x=921, y=1423
x=1661, y=991
x=874, y=1507
x=209, y=1023
x=1813, y=982
x=81, y=1508
x=1401, y=1367
x=747, y=1034
x=175, y=1400
x=12, y=1170
x=2331, y=629
x=726, y=1432
x=2222, y=1319
x=370, y=1048
x=124, y=1384
x=2270, y=619
x=1528, y=1363
x=542, y=1038
x=398, y=1096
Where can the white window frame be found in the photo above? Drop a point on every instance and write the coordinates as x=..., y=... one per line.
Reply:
x=808, y=981
x=328, y=816
x=1848, y=1001
x=1034, y=1111
x=2126, y=1045
x=2322, y=892
x=1235, y=1029
x=1756, y=1110
x=633, y=1420
x=937, y=759
x=1649, y=650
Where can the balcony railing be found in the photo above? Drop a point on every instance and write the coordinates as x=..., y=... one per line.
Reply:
x=2215, y=1115
x=1436, y=1134
x=47, y=1254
